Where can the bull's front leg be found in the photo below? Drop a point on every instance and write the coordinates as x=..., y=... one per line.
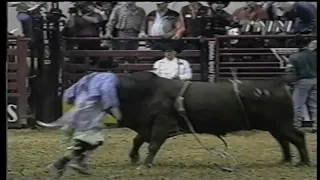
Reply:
x=134, y=152
x=160, y=132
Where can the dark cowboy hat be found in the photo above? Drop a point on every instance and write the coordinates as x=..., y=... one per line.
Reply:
x=226, y=3
x=100, y=3
x=172, y=47
x=107, y=64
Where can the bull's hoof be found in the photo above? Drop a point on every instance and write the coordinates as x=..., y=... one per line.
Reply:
x=301, y=164
x=285, y=161
x=144, y=166
x=134, y=159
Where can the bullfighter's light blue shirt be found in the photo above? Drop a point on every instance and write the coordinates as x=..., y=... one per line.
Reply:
x=92, y=94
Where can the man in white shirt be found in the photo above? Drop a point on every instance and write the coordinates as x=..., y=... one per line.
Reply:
x=172, y=67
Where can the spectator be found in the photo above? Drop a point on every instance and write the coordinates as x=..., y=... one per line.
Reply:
x=129, y=21
x=193, y=17
x=171, y=67
x=220, y=18
x=85, y=21
x=24, y=15
x=107, y=8
x=304, y=11
x=252, y=11
x=304, y=71
x=163, y=23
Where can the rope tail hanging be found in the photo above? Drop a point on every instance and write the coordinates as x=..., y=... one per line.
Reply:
x=179, y=105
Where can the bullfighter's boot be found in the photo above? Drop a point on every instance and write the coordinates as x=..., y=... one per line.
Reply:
x=59, y=166
x=81, y=165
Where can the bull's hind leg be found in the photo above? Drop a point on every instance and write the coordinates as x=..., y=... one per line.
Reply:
x=284, y=146
x=297, y=138
x=134, y=152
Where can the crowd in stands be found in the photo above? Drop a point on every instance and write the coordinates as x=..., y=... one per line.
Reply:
x=127, y=20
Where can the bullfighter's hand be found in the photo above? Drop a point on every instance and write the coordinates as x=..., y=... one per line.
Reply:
x=116, y=113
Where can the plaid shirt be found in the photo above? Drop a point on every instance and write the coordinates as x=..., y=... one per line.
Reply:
x=173, y=68
x=126, y=17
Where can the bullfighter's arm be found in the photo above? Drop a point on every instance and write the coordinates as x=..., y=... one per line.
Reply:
x=69, y=94
x=186, y=73
x=109, y=97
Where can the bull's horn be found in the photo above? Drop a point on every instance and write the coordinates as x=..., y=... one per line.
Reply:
x=54, y=124
x=14, y=30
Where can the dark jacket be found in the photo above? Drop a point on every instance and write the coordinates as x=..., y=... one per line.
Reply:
x=304, y=65
x=307, y=14
x=195, y=23
x=220, y=19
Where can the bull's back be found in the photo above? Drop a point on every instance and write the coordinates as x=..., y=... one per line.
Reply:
x=213, y=106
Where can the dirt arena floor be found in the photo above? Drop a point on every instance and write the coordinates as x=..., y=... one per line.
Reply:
x=181, y=158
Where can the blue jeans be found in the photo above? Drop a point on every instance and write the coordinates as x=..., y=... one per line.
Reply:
x=305, y=95
x=26, y=23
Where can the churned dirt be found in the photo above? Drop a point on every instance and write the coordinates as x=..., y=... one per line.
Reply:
x=181, y=158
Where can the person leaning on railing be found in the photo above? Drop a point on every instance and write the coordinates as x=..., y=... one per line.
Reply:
x=193, y=22
x=163, y=23
x=25, y=10
x=84, y=21
x=252, y=11
x=304, y=11
x=129, y=21
x=106, y=8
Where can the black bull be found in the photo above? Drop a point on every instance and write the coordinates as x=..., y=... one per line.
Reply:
x=147, y=104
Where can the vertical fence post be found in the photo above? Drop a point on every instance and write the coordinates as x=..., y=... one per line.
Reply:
x=217, y=58
x=211, y=60
x=204, y=60
x=22, y=48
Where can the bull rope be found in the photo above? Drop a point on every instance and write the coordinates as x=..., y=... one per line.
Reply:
x=235, y=82
x=179, y=104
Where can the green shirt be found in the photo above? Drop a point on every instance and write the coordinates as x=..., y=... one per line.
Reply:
x=304, y=64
